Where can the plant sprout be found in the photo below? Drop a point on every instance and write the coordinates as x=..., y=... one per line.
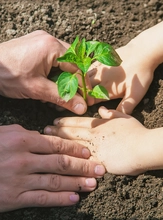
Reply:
x=83, y=53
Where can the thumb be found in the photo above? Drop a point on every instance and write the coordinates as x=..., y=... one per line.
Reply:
x=111, y=113
x=131, y=99
x=46, y=90
x=126, y=105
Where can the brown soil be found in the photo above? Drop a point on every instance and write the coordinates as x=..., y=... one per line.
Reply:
x=116, y=22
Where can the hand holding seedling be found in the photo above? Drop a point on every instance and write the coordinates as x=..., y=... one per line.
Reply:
x=131, y=80
x=25, y=64
x=83, y=54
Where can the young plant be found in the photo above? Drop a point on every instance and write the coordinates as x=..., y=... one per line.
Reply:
x=83, y=53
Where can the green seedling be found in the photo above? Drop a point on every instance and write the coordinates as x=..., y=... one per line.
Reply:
x=83, y=53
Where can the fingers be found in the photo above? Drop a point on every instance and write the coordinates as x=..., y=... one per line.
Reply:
x=65, y=165
x=58, y=183
x=41, y=198
x=83, y=122
x=110, y=114
x=71, y=133
x=47, y=91
x=43, y=144
x=59, y=49
x=130, y=100
x=134, y=93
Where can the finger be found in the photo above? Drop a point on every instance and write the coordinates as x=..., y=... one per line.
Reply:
x=43, y=144
x=132, y=97
x=47, y=91
x=41, y=198
x=58, y=183
x=110, y=114
x=65, y=44
x=83, y=122
x=71, y=133
x=65, y=165
x=59, y=48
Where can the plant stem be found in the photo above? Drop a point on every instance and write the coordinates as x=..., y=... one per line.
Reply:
x=84, y=87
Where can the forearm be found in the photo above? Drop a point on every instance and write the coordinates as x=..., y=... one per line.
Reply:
x=149, y=45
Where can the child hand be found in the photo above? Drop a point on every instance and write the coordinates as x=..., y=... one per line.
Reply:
x=116, y=142
x=129, y=81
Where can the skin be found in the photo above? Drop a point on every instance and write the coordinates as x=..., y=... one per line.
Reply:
x=39, y=170
x=118, y=140
x=25, y=64
x=131, y=80
x=35, y=170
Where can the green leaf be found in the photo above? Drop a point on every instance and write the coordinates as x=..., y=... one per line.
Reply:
x=69, y=57
x=72, y=48
x=91, y=46
x=105, y=54
x=67, y=85
x=84, y=64
x=80, y=50
x=54, y=78
x=99, y=92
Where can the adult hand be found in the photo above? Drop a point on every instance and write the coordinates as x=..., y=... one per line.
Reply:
x=25, y=63
x=39, y=170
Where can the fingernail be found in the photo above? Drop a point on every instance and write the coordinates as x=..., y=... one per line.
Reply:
x=79, y=108
x=86, y=153
x=56, y=121
x=47, y=130
x=74, y=198
x=91, y=182
x=100, y=170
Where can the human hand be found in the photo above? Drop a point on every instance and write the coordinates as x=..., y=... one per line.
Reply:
x=39, y=171
x=130, y=81
x=25, y=63
x=117, y=140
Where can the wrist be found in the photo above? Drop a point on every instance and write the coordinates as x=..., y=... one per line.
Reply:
x=149, y=45
x=152, y=150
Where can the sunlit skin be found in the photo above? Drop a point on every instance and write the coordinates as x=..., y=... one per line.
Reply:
x=118, y=140
x=131, y=80
x=39, y=170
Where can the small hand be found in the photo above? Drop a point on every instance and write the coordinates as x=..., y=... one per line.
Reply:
x=129, y=81
x=115, y=140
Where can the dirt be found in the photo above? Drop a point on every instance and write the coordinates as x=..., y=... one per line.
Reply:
x=115, y=22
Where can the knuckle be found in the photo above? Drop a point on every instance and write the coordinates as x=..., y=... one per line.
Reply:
x=55, y=144
x=60, y=101
x=64, y=163
x=42, y=199
x=86, y=168
x=46, y=40
x=60, y=199
x=54, y=182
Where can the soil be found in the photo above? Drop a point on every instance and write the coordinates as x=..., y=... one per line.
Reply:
x=116, y=22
